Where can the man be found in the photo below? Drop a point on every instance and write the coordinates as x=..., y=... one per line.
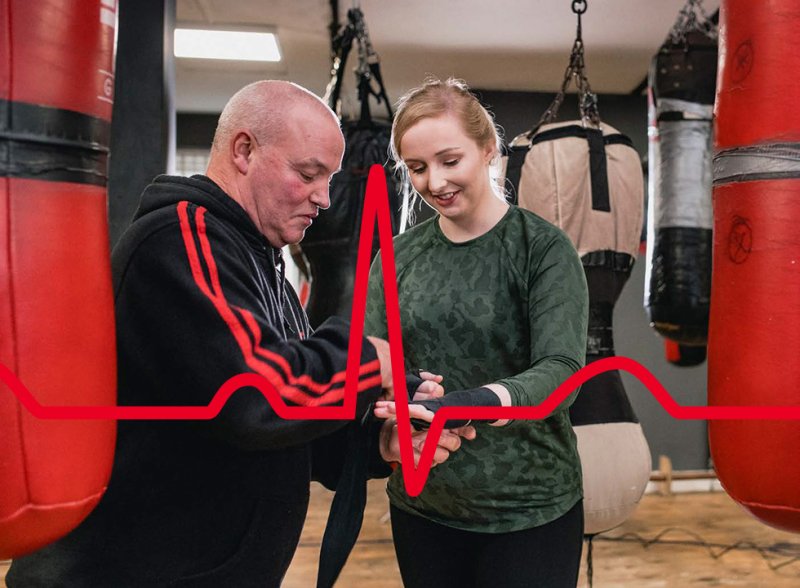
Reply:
x=201, y=297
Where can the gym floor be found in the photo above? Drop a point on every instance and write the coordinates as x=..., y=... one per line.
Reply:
x=698, y=539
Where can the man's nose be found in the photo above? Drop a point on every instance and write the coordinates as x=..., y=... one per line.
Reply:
x=321, y=197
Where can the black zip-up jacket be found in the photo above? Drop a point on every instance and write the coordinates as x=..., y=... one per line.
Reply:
x=200, y=297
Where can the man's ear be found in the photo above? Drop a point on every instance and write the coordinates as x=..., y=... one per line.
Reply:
x=242, y=148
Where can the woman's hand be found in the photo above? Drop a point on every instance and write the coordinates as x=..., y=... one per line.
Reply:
x=448, y=442
x=431, y=387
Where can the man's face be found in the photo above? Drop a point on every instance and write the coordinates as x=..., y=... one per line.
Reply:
x=289, y=178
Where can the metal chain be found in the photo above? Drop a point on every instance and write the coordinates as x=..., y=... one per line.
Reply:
x=587, y=100
x=692, y=18
x=367, y=70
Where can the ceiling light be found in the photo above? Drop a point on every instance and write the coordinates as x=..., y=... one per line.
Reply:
x=231, y=45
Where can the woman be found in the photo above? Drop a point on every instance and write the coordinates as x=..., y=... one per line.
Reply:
x=493, y=298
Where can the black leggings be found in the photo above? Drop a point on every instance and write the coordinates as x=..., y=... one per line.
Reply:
x=434, y=556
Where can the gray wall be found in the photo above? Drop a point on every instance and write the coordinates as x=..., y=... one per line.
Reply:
x=685, y=442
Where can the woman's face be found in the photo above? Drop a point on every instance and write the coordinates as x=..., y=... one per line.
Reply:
x=448, y=168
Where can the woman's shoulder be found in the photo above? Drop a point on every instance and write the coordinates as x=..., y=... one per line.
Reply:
x=527, y=231
x=412, y=241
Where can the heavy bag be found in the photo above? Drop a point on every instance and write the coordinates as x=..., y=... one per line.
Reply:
x=684, y=355
x=331, y=243
x=588, y=182
x=56, y=303
x=678, y=271
x=754, y=331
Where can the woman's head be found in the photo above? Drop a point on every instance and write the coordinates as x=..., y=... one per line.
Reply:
x=443, y=116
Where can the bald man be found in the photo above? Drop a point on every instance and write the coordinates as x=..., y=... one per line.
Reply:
x=201, y=297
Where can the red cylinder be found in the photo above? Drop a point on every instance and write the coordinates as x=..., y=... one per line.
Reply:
x=754, y=332
x=56, y=301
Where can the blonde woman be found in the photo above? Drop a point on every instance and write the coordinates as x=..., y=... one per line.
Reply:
x=493, y=298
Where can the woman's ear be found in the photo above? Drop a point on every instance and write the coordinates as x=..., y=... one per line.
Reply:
x=242, y=147
x=489, y=153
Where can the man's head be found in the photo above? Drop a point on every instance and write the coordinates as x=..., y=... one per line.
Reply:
x=275, y=149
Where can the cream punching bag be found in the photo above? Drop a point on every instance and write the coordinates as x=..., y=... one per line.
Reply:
x=585, y=177
x=56, y=302
x=754, y=332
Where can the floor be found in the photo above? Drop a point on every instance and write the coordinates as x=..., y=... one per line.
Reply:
x=702, y=539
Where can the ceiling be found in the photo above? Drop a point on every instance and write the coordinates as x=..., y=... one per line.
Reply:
x=499, y=45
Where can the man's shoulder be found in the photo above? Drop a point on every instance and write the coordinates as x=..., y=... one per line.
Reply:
x=180, y=219
x=174, y=231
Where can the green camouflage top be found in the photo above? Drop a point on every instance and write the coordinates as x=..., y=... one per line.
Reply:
x=508, y=307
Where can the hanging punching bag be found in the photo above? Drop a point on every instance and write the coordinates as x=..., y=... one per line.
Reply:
x=684, y=355
x=56, y=304
x=331, y=244
x=754, y=332
x=678, y=271
x=586, y=178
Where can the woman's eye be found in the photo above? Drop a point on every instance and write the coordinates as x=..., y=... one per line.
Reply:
x=451, y=163
x=416, y=170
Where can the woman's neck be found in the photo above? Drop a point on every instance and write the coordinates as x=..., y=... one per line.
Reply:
x=477, y=223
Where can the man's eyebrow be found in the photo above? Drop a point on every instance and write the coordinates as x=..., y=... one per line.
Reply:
x=314, y=162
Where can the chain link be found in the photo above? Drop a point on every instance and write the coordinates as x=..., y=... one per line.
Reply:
x=692, y=18
x=579, y=6
x=576, y=71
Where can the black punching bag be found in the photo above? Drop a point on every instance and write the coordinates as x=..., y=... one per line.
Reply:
x=681, y=97
x=331, y=243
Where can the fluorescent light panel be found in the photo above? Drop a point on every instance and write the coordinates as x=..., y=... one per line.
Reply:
x=230, y=45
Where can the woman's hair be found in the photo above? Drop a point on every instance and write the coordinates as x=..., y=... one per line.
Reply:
x=436, y=98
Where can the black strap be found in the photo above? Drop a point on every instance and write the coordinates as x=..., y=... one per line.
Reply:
x=53, y=144
x=673, y=116
x=347, y=509
x=342, y=45
x=611, y=260
x=598, y=170
x=516, y=159
x=579, y=131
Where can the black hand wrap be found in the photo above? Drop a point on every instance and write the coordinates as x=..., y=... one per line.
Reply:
x=471, y=397
x=413, y=381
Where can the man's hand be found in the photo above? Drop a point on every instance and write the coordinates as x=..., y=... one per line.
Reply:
x=385, y=358
x=449, y=442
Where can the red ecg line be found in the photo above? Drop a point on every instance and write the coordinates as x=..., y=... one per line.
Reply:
x=376, y=206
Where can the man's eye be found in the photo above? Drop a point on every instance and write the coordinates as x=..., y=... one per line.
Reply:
x=306, y=177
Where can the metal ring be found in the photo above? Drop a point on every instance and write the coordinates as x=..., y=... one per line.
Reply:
x=579, y=6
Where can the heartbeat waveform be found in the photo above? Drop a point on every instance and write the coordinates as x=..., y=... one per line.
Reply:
x=376, y=207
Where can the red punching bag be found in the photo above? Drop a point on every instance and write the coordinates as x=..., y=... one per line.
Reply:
x=56, y=302
x=754, y=330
